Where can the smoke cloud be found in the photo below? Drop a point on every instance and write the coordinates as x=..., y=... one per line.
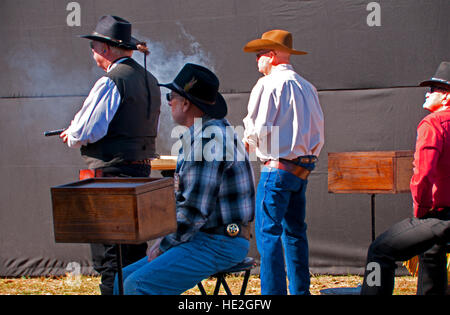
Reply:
x=165, y=65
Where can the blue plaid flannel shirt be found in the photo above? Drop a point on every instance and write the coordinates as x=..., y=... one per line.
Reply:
x=215, y=184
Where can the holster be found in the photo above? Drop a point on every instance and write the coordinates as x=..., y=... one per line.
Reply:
x=90, y=173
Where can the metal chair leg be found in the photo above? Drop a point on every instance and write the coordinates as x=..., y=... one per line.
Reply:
x=201, y=288
x=219, y=282
x=244, y=283
x=225, y=286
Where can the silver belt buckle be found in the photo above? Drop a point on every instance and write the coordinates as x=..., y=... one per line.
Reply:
x=233, y=229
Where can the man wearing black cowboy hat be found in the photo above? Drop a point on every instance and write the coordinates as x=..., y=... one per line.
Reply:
x=116, y=127
x=428, y=232
x=214, y=194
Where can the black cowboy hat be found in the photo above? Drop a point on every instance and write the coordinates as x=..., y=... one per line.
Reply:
x=114, y=31
x=200, y=86
x=441, y=78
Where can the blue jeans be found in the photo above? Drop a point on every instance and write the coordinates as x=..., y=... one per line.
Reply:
x=280, y=224
x=183, y=266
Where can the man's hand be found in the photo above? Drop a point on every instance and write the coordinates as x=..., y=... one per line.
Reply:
x=64, y=136
x=154, y=251
x=247, y=147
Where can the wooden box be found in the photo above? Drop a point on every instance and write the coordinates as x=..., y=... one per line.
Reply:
x=113, y=210
x=377, y=172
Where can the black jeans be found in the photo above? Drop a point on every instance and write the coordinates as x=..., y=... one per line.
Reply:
x=103, y=255
x=427, y=237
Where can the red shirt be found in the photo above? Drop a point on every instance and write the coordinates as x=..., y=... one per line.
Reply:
x=430, y=183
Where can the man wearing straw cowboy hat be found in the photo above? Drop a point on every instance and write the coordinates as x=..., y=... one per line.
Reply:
x=117, y=125
x=214, y=195
x=285, y=126
x=427, y=233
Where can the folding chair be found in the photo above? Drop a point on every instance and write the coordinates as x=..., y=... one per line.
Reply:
x=246, y=265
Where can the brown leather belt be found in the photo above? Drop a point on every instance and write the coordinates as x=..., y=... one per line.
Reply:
x=290, y=167
x=229, y=230
x=302, y=159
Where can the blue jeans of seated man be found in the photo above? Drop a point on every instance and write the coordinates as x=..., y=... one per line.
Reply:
x=183, y=266
x=280, y=224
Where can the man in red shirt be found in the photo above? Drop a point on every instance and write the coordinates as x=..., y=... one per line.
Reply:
x=428, y=232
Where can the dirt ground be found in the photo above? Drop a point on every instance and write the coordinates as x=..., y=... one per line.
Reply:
x=83, y=285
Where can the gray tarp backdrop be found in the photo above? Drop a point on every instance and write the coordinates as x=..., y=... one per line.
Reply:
x=367, y=79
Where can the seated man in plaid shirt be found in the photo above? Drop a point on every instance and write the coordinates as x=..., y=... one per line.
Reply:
x=214, y=192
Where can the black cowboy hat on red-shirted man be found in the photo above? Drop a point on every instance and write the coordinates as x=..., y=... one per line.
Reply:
x=200, y=86
x=114, y=31
x=441, y=77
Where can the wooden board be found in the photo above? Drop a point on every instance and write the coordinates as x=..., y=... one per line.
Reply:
x=165, y=163
x=113, y=210
x=387, y=172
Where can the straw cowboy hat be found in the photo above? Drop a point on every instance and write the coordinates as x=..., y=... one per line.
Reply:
x=273, y=40
x=200, y=86
x=114, y=31
x=441, y=78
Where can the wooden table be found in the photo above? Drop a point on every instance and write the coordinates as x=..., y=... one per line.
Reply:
x=165, y=163
x=375, y=172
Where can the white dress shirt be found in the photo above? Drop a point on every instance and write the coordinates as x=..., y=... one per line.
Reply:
x=91, y=123
x=284, y=118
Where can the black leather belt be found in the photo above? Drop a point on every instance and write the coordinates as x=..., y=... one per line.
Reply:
x=231, y=230
x=442, y=214
x=141, y=162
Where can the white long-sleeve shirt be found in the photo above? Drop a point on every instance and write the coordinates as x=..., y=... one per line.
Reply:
x=284, y=118
x=91, y=123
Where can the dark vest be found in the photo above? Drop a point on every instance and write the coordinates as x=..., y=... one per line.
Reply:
x=132, y=132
